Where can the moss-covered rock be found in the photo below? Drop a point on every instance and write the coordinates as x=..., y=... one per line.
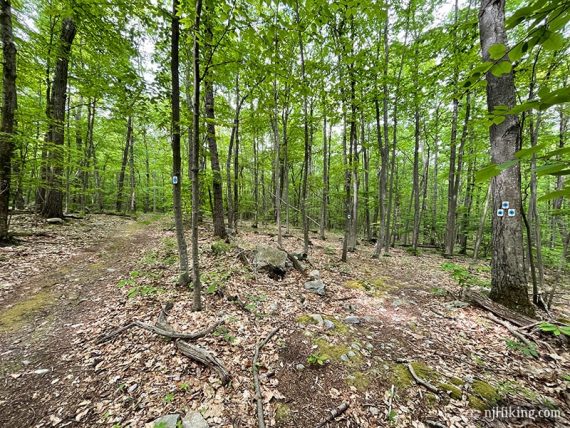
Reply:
x=477, y=403
x=360, y=380
x=332, y=350
x=452, y=390
x=306, y=319
x=282, y=413
x=486, y=391
x=456, y=381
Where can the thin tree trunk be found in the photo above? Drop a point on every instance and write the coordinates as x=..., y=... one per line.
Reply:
x=197, y=301
x=325, y=196
x=184, y=278
x=480, y=230
x=132, y=178
x=121, y=181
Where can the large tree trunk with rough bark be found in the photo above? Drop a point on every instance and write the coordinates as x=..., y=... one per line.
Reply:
x=9, y=105
x=509, y=283
x=53, y=204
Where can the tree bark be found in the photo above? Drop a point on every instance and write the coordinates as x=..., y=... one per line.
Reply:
x=176, y=158
x=209, y=109
x=126, y=150
x=9, y=105
x=53, y=203
x=508, y=277
x=197, y=301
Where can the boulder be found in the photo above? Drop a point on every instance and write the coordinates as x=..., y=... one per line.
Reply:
x=194, y=420
x=352, y=319
x=317, y=286
x=314, y=275
x=55, y=220
x=166, y=421
x=271, y=260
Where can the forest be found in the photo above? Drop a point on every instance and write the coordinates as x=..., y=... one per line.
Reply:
x=360, y=210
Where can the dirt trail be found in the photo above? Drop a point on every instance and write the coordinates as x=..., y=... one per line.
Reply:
x=38, y=327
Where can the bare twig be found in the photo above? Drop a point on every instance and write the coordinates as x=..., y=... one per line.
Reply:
x=333, y=414
x=512, y=330
x=258, y=396
x=420, y=381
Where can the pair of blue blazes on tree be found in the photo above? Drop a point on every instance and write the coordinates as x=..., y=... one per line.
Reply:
x=511, y=212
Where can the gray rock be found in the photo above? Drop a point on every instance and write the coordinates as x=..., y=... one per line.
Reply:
x=344, y=357
x=351, y=354
x=316, y=286
x=194, y=420
x=352, y=319
x=167, y=421
x=55, y=220
x=318, y=319
x=300, y=367
x=374, y=410
x=329, y=325
x=369, y=346
x=314, y=275
x=271, y=260
x=355, y=346
x=274, y=308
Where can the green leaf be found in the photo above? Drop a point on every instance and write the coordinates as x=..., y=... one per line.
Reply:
x=516, y=52
x=497, y=51
x=527, y=153
x=557, y=152
x=550, y=169
x=555, y=195
x=493, y=170
x=559, y=96
x=503, y=67
x=554, y=42
x=565, y=330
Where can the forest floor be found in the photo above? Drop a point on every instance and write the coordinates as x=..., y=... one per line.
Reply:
x=63, y=286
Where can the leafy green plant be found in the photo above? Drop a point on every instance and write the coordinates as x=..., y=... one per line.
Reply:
x=224, y=333
x=317, y=358
x=168, y=398
x=438, y=291
x=458, y=273
x=130, y=281
x=554, y=329
x=527, y=350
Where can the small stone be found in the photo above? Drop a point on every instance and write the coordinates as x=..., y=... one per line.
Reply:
x=329, y=325
x=374, y=410
x=352, y=319
x=344, y=357
x=355, y=346
x=369, y=346
x=166, y=421
x=132, y=387
x=317, y=318
x=274, y=308
x=316, y=286
x=41, y=371
x=300, y=367
x=55, y=220
x=314, y=275
x=351, y=354
x=468, y=378
x=194, y=420
x=26, y=362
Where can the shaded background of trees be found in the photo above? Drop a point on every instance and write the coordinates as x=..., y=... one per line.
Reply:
x=363, y=117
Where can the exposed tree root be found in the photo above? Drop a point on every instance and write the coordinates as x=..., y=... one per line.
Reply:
x=258, y=396
x=502, y=312
x=333, y=414
x=162, y=328
x=512, y=330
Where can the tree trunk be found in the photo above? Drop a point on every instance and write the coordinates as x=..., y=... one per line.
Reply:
x=197, y=301
x=209, y=110
x=132, y=178
x=53, y=204
x=126, y=150
x=9, y=105
x=325, y=196
x=508, y=284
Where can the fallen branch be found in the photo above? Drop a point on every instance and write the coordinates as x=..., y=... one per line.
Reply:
x=512, y=330
x=420, y=381
x=258, y=396
x=161, y=331
x=204, y=357
x=333, y=414
x=434, y=424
